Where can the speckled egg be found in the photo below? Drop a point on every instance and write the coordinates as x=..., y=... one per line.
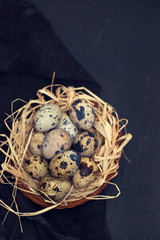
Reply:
x=65, y=164
x=82, y=114
x=56, y=141
x=36, y=166
x=67, y=124
x=85, y=143
x=35, y=145
x=86, y=173
x=47, y=117
x=54, y=188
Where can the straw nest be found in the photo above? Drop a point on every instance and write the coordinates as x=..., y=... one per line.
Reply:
x=107, y=127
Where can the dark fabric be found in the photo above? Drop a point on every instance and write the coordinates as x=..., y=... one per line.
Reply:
x=29, y=46
x=29, y=54
x=119, y=42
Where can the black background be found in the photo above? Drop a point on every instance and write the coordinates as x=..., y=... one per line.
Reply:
x=118, y=43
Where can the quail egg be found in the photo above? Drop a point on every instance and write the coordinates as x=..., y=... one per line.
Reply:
x=47, y=117
x=82, y=114
x=85, y=143
x=54, y=188
x=86, y=173
x=35, y=145
x=65, y=164
x=67, y=124
x=36, y=166
x=56, y=141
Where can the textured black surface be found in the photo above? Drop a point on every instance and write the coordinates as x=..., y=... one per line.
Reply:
x=118, y=43
x=29, y=53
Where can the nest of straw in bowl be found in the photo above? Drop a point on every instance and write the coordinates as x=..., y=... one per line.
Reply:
x=107, y=128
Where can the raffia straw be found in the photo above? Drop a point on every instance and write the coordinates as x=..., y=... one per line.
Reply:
x=107, y=128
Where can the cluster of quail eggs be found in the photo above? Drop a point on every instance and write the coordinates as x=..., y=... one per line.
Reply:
x=62, y=147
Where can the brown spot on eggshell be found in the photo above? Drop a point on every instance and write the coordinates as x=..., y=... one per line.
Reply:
x=84, y=170
x=82, y=114
x=86, y=173
x=30, y=173
x=65, y=164
x=27, y=161
x=35, y=166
